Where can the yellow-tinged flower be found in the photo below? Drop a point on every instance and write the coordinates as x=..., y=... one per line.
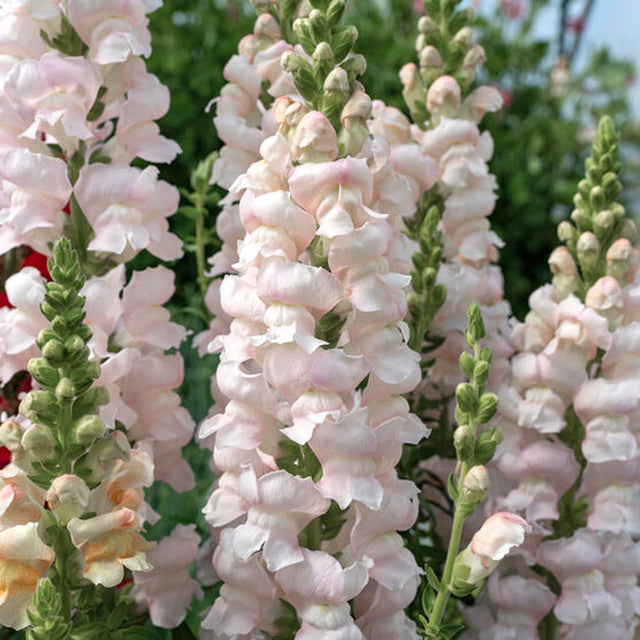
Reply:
x=109, y=543
x=24, y=559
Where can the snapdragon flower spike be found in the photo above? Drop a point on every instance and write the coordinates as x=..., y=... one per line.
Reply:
x=572, y=449
x=444, y=157
x=317, y=305
x=90, y=482
x=243, y=121
x=77, y=99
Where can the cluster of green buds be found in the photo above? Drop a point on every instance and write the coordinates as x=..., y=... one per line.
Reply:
x=80, y=480
x=474, y=406
x=599, y=238
x=469, y=484
x=445, y=48
x=327, y=81
x=427, y=296
x=63, y=412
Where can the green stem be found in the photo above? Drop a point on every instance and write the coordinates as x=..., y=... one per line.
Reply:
x=445, y=585
x=201, y=260
x=64, y=427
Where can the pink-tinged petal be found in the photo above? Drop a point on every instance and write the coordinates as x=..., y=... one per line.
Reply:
x=309, y=183
x=276, y=208
x=238, y=297
x=168, y=589
x=298, y=284
x=133, y=202
x=498, y=535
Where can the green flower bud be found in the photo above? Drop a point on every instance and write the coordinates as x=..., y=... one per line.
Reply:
x=38, y=441
x=200, y=177
x=39, y=403
x=53, y=349
x=567, y=233
x=475, y=486
x=481, y=372
x=427, y=26
x=97, y=463
x=476, y=330
x=464, y=440
x=88, y=429
x=581, y=218
x=487, y=407
x=467, y=364
x=355, y=65
x=343, y=42
x=64, y=389
x=323, y=53
x=467, y=398
x=588, y=250
x=629, y=230
x=474, y=57
x=486, y=445
x=335, y=11
x=464, y=37
x=45, y=374
x=337, y=82
x=597, y=198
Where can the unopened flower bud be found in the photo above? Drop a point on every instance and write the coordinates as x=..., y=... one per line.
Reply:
x=487, y=406
x=323, y=52
x=466, y=398
x=597, y=198
x=430, y=57
x=267, y=26
x=38, y=441
x=588, y=249
x=43, y=372
x=603, y=222
x=629, y=229
x=474, y=57
x=64, y=388
x=88, y=429
x=444, y=95
x=427, y=26
x=464, y=37
x=621, y=257
x=464, y=441
x=491, y=543
x=564, y=269
x=11, y=432
x=337, y=81
x=475, y=484
x=201, y=175
x=413, y=91
x=280, y=107
x=567, y=233
x=68, y=497
x=53, y=350
x=291, y=61
x=248, y=47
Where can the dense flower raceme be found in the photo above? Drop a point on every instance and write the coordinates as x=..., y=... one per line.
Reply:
x=284, y=383
x=556, y=387
x=77, y=107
